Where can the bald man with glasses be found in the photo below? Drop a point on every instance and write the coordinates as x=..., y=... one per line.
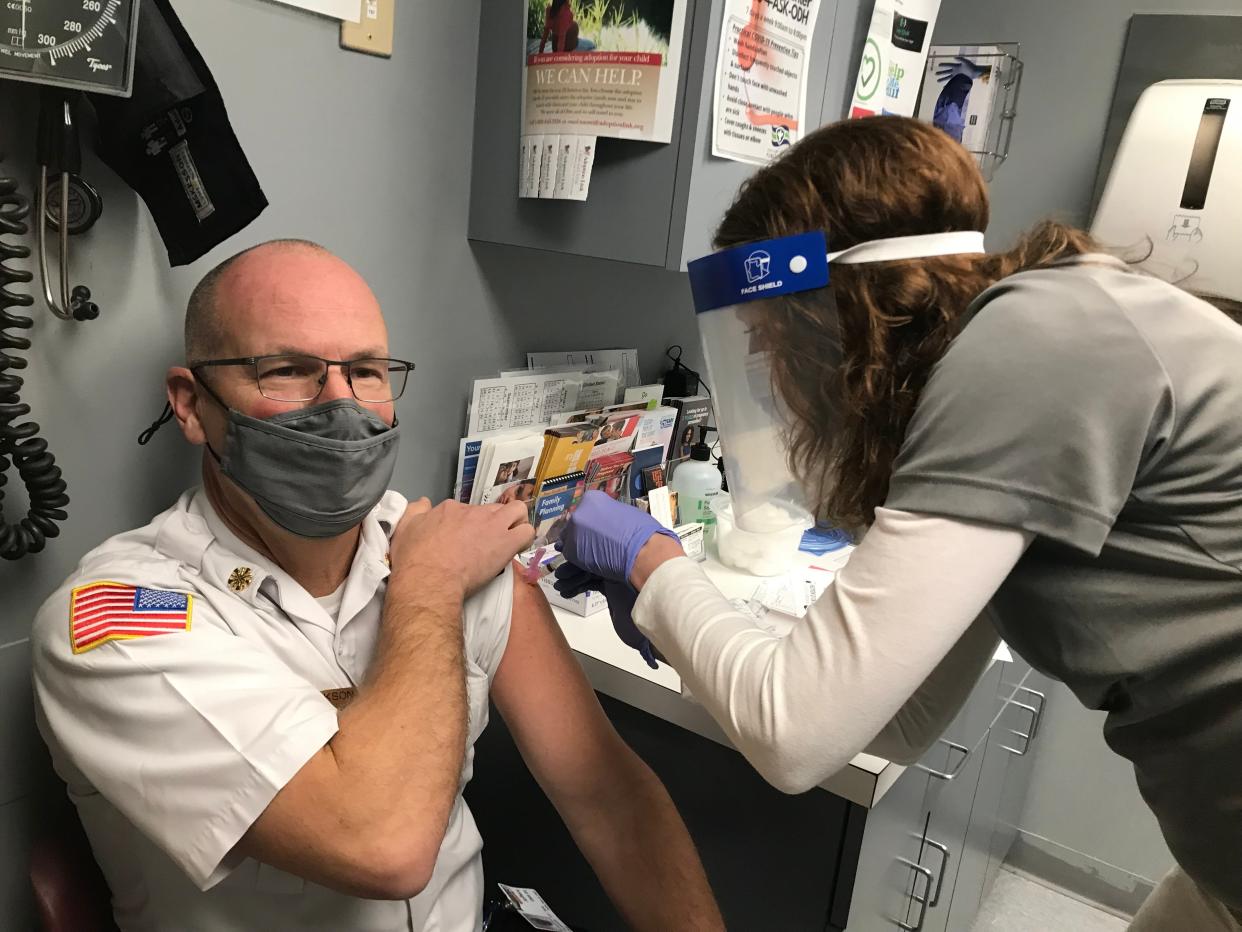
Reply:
x=264, y=702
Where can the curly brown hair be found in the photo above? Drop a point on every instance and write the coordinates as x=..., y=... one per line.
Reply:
x=851, y=360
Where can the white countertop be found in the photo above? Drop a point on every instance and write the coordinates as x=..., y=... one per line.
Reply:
x=618, y=671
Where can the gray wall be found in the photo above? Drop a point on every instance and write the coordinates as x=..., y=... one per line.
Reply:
x=369, y=157
x=1072, y=50
x=1084, y=825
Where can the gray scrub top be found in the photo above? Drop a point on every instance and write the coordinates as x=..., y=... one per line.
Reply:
x=1101, y=410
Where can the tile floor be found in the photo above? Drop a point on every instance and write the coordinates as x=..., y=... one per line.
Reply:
x=1016, y=904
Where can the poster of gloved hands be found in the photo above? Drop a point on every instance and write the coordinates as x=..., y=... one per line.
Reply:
x=893, y=57
x=961, y=84
x=760, y=98
x=602, y=67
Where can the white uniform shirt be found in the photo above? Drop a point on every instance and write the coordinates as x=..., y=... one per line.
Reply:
x=172, y=744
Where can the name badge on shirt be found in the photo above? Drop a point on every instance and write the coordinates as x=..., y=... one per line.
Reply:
x=340, y=697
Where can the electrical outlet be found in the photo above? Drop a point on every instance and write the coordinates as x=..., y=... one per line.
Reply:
x=373, y=33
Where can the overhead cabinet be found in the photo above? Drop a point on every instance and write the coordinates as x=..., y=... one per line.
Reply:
x=649, y=203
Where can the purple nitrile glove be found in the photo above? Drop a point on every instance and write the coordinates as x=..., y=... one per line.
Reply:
x=604, y=537
x=572, y=581
x=621, y=597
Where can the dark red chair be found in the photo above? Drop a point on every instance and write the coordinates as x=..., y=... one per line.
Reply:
x=70, y=892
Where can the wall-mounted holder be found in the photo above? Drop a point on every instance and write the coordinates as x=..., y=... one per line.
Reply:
x=999, y=134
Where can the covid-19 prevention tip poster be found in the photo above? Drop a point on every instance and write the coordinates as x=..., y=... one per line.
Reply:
x=896, y=48
x=759, y=103
x=602, y=67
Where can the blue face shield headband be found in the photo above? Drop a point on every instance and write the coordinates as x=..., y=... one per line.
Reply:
x=800, y=263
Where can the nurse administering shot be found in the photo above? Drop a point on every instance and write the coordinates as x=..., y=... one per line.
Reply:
x=1045, y=433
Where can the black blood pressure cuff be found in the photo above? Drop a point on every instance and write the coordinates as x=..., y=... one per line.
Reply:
x=173, y=144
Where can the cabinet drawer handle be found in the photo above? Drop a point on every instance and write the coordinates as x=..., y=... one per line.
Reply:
x=922, y=901
x=953, y=773
x=1040, y=700
x=944, y=868
x=1026, y=736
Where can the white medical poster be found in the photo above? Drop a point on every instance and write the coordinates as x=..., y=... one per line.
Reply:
x=893, y=57
x=496, y=404
x=624, y=361
x=338, y=9
x=759, y=104
x=602, y=67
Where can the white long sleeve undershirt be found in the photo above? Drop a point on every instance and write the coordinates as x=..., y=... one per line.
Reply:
x=882, y=662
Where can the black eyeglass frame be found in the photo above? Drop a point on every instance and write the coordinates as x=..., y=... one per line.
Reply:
x=401, y=365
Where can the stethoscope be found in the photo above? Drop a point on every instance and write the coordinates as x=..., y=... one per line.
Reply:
x=59, y=154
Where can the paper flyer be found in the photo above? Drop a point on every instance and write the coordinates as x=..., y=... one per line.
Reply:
x=893, y=58
x=496, y=404
x=623, y=360
x=602, y=68
x=350, y=10
x=759, y=107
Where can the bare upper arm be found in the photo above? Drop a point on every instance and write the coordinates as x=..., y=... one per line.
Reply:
x=550, y=708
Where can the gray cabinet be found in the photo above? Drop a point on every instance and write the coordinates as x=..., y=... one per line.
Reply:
x=888, y=870
x=651, y=204
x=1016, y=739
x=948, y=807
x=912, y=839
x=930, y=849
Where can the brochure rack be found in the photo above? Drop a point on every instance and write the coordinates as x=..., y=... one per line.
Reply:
x=998, y=136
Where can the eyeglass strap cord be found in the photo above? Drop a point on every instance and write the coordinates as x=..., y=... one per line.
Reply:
x=165, y=416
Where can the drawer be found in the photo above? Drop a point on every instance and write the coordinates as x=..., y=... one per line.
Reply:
x=887, y=872
x=948, y=806
x=951, y=753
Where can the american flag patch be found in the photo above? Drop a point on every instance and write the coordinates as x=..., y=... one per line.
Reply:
x=109, y=611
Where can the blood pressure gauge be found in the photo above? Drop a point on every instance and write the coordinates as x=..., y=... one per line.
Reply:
x=83, y=44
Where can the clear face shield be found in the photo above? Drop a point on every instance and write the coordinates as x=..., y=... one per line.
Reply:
x=729, y=289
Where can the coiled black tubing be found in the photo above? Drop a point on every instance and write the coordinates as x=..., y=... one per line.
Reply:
x=21, y=447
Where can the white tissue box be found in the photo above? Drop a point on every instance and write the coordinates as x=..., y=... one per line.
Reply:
x=587, y=603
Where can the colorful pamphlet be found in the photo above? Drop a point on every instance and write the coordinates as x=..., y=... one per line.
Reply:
x=566, y=449
x=556, y=501
x=610, y=475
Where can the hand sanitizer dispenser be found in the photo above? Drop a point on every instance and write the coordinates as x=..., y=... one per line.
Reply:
x=1177, y=181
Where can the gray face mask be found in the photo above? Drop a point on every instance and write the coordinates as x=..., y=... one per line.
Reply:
x=316, y=471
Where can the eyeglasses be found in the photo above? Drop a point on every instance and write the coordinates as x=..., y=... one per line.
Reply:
x=376, y=380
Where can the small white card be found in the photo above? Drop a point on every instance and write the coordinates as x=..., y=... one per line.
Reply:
x=528, y=178
x=547, y=165
x=795, y=593
x=337, y=9
x=661, y=504
x=646, y=393
x=533, y=909
x=584, y=163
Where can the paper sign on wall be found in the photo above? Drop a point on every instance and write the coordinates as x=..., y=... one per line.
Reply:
x=602, y=68
x=350, y=10
x=893, y=57
x=759, y=107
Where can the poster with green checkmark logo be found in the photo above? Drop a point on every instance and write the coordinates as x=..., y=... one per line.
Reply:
x=893, y=58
